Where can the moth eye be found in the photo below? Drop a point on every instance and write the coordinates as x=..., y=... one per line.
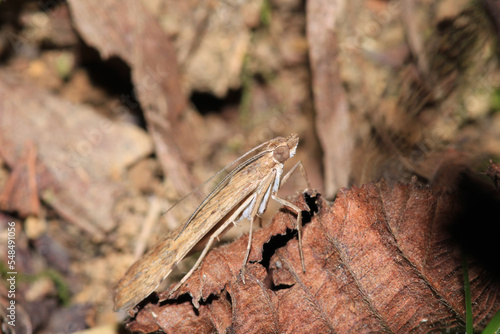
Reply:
x=281, y=154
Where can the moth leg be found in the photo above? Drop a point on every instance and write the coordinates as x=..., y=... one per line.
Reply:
x=298, y=224
x=214, y=236
x=261, y=223
x=295, y=208
x=302, y=172
x=249, y=247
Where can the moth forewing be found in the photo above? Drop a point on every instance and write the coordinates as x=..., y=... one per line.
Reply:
x=243, y=193
x=219, y=187
x=196, y=198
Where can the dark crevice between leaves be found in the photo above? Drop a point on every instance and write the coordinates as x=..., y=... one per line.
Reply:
x=281, y=287
x=312, y=203
x=151, y=299
x=280, y=240
x=475, y=227
x=275, y=243
x=207, y=103
x=114, y=76
x=186, y=297
x=210, y=299
x=154, y=299
x=228, y=298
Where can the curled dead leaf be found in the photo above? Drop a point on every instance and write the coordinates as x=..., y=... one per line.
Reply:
x=382, y=258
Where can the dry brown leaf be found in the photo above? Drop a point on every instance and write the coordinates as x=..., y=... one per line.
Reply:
x=380, y=259
x=136, y=37
x=78, y=152
x=333, y=119
x=21, y=191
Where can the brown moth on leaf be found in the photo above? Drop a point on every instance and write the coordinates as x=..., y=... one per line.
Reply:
x=243, y=193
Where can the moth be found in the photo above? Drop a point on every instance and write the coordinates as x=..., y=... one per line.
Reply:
x=243, y=194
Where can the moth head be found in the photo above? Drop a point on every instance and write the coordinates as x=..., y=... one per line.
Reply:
x=286, y=148
x=281, y=153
